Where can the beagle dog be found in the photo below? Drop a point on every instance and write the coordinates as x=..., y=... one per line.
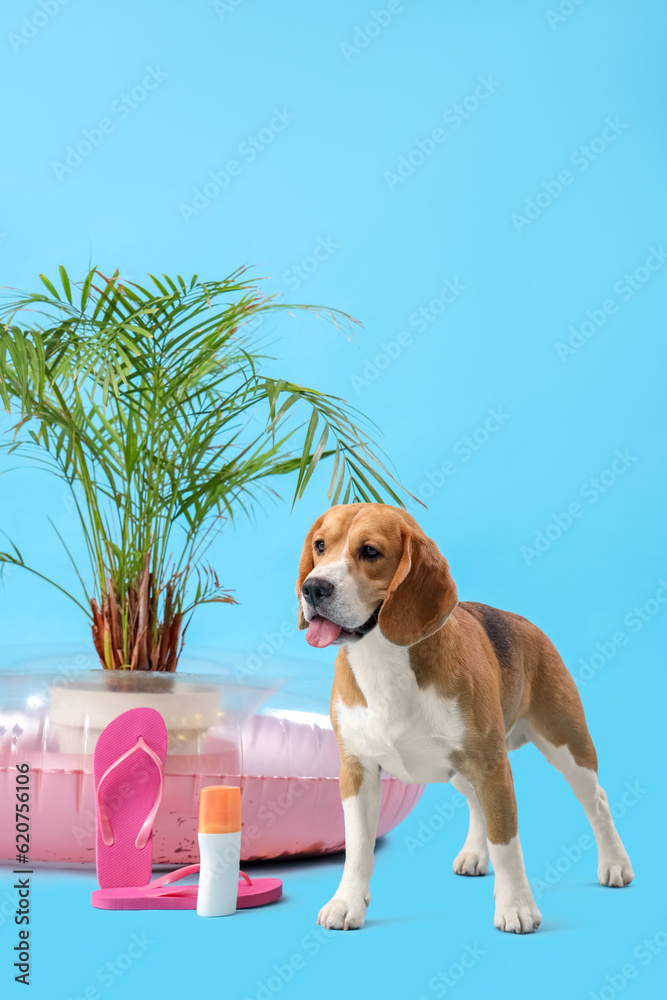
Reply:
x=429, y=689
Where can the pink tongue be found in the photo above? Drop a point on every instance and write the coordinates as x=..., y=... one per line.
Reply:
x=321, y=632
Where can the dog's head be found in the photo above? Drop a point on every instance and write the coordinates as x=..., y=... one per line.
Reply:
x=368, y=565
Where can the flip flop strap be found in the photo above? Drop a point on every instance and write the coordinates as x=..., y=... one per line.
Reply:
x=174, y=876
x=165, y=881
x=147, y=825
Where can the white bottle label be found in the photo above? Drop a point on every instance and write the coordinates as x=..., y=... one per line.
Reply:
x=219, y=859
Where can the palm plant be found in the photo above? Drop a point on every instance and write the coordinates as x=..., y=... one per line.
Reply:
x=143, y=400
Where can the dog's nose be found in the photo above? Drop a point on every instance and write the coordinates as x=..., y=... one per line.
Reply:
x=315, y=590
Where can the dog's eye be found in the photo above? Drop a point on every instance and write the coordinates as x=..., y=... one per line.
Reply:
x=319, y=546
x=368, y=552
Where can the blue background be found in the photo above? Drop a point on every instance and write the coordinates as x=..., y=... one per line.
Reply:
x=330, y=175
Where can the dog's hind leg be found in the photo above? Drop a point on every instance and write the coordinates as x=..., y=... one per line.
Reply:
x=516, y=910
x=473, y=858
x=557, y=727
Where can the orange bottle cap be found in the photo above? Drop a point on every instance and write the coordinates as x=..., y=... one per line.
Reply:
x=219, y=809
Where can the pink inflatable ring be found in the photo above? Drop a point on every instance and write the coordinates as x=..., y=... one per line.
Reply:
x=285, y=760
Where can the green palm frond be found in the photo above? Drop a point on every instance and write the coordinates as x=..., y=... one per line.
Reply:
x=151, y=402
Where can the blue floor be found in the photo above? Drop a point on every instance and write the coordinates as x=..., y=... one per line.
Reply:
x=428, y=931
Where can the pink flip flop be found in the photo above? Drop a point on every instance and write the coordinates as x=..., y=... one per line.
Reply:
x=128, y=772
x=162, y=895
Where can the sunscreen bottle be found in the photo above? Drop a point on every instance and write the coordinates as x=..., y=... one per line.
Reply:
x=219, y=850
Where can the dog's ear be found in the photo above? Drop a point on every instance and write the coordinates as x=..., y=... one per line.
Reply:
x=422, y=594
x=305, y=566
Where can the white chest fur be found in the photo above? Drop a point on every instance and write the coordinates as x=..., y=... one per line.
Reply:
x=409, y=731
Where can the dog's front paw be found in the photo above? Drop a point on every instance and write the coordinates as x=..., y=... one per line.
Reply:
x=615, y=872
x=471, y=862
x=518, y=916
x=340, y=915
